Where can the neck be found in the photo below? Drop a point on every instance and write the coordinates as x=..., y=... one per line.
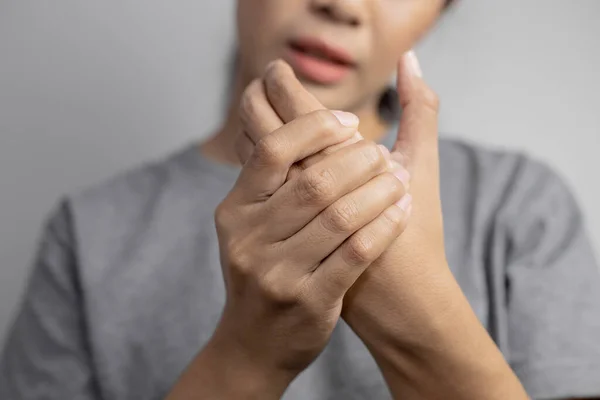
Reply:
x=221, y=146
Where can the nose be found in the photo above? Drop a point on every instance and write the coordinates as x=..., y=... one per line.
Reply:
x=349, y=12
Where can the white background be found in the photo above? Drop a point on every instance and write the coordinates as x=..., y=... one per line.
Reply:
x=90, y=88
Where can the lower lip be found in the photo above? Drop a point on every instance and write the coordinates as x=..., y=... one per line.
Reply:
x=316, y=69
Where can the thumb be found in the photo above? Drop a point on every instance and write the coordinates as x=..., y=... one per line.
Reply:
x=417, y=141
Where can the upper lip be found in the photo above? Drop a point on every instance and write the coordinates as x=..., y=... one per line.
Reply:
x=330, y=51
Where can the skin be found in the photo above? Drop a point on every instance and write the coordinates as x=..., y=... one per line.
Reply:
x=386, y=28
x=324, y=224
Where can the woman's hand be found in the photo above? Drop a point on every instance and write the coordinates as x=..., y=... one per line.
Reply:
x=419, y=253
x=292, y=246
x=270, y=102
x=408, y=308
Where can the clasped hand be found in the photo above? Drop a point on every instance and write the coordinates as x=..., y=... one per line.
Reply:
x=314, y=207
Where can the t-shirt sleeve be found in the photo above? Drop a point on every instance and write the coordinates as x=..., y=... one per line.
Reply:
x=45, y=355
x=553, y=290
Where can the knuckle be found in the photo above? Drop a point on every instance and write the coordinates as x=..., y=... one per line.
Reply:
x=359, y=250
x=327, y=122
x=248, y=106
x=393, y=185
x=316, y=186
x=276, y=290
x=240, y=261
x=371, y=155
x=270, y=150
x=342, y=217
x=394, y=217
x=223, y=216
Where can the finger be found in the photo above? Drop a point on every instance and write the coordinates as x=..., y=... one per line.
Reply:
x=286, y=94
x=312, y=160
x=309, y=161
x=244, y=146
x=257, y=116
x=315, y=158
x=340, y=270
x=316, y=188
x=328, y=230
x=267, y=167
x=393, y=162
x=290, y=99
x=418, y=130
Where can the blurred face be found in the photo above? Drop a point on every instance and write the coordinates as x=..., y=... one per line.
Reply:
x=344, y=51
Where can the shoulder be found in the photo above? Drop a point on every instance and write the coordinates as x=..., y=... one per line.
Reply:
x=127, y=192
x=491, y=161
x=507, y=194
x=514, y=196
x=505, y=177
x=124, y=203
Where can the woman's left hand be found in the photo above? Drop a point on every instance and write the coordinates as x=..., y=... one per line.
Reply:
x=415, y=263
x=408, y=308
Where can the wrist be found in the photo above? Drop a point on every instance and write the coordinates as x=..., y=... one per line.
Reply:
x=242, y=375
x=222, y=371
x=453, y=358
x=398, y=303
x=428, y=341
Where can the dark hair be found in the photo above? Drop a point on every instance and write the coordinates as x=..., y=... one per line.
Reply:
x=389, y=107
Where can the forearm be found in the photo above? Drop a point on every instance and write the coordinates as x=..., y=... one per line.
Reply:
x=438, y=349
x=220, y=372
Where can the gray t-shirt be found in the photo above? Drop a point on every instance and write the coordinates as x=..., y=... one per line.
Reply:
x=127, y=286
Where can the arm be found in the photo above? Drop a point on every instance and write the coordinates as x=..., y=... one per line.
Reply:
x=407, y=307
x=223, y=371
x=553, y=311
x=412, y=315
x=553, y=295
x=438, y=349
x=373, y=308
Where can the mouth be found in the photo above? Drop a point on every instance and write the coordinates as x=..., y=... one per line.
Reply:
x=318, y=61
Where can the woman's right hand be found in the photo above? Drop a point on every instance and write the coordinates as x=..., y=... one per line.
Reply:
x=291, y=245
x=291, y=248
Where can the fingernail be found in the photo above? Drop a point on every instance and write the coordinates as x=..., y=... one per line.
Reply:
x=403, y=176
x=393, y=165
x=357, y=137
x=405, y=203
x=397, y=157
x=413, y=63
x=346, y=118
x=384, y=150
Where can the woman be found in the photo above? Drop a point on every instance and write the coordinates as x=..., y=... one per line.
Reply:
x=330, y=274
